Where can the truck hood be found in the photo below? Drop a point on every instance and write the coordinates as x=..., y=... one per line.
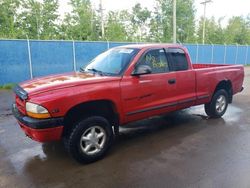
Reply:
x=59, y=81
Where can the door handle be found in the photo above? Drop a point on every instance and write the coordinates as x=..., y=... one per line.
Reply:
x=172, y=81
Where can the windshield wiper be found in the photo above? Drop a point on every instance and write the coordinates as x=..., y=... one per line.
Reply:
x=96, y=71
x=82, y=69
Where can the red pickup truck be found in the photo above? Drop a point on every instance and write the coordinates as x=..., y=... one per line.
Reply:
x=121, y=85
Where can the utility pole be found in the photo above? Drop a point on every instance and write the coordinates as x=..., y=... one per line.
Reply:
x=174, y=21
x=204, y=19
x=102, y=18
x=38, y=16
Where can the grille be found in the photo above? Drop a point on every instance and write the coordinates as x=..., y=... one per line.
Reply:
x=20, y=105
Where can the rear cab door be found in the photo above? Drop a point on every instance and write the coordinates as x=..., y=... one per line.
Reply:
x=179, y=62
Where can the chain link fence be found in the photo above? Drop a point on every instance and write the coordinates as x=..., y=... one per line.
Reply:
x=25, y=59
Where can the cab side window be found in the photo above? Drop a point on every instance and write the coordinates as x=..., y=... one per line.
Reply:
x=157, y=60
x=177, y=59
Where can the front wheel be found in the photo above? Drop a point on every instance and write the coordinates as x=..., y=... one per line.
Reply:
x=218, y=105
x=90, y=139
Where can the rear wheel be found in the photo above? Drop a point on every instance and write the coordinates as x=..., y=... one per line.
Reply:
x=90, y=140
x=218, y=105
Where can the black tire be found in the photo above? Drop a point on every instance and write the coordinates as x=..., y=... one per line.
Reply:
x=210, y=108
x=75, y=146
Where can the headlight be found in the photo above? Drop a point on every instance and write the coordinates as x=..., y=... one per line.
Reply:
x=36, y=111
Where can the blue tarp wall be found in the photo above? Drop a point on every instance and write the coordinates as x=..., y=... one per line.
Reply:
x=22, y=59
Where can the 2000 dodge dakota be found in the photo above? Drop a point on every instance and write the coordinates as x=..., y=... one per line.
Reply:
x=121, y=85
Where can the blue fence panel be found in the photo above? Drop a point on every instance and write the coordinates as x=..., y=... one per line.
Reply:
x=231, y=54
x=14, y=61
x=241, y=57
x=248, y=56
x=205, y=54
x=50, y=57
x=115, y=44
x=86, y=51
x=218, y=54
x=192, y=49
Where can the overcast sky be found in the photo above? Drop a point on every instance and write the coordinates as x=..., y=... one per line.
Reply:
x=218, y=8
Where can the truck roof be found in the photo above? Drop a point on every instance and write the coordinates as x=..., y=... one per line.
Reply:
x=152, y=45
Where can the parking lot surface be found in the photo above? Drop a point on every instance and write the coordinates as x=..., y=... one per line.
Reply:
x=181, y=149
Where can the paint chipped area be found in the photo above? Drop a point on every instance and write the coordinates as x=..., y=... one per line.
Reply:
x=61, y=80
x=54, y=80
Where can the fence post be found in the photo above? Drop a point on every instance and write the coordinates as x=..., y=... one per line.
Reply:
x=225, y=53
x=236, y=55
x=212, y=55
x=197, y=53
x=30, y=60
x=107, y=44
x=74, y=55
x=246, y=55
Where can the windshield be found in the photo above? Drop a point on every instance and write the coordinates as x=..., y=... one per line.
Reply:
x=112, y=62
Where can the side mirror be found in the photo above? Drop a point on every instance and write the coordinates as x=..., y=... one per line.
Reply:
x=142, y=69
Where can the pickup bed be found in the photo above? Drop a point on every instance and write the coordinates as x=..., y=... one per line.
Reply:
x=121, y=85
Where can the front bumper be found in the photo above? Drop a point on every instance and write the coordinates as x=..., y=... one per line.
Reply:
x=41, y=130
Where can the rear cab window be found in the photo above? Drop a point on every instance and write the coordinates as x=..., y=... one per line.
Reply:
x=177, y=59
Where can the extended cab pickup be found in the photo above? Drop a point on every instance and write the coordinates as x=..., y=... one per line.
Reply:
x=121, y=85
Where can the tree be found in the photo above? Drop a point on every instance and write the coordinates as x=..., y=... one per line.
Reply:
x=140, y=17
x=50, y=19
x=156, y=25
x=185, y=21
x=214, y=32
x=30, y=19
x=115, y=29
x=78, y=24
x=185, y=14
x=237, y=31
x=8, y=15
x=39, y=20
x=248, y=28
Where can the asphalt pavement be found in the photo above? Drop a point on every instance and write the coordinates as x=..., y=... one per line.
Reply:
x=181, y=149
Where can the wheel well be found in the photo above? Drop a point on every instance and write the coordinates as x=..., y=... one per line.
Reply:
x=226, y=85
x=104, y=108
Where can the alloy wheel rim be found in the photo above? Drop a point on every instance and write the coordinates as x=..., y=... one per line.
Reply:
x=220, y=104
x=93, y=140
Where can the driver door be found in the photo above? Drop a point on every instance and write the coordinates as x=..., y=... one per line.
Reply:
x=149, y=94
